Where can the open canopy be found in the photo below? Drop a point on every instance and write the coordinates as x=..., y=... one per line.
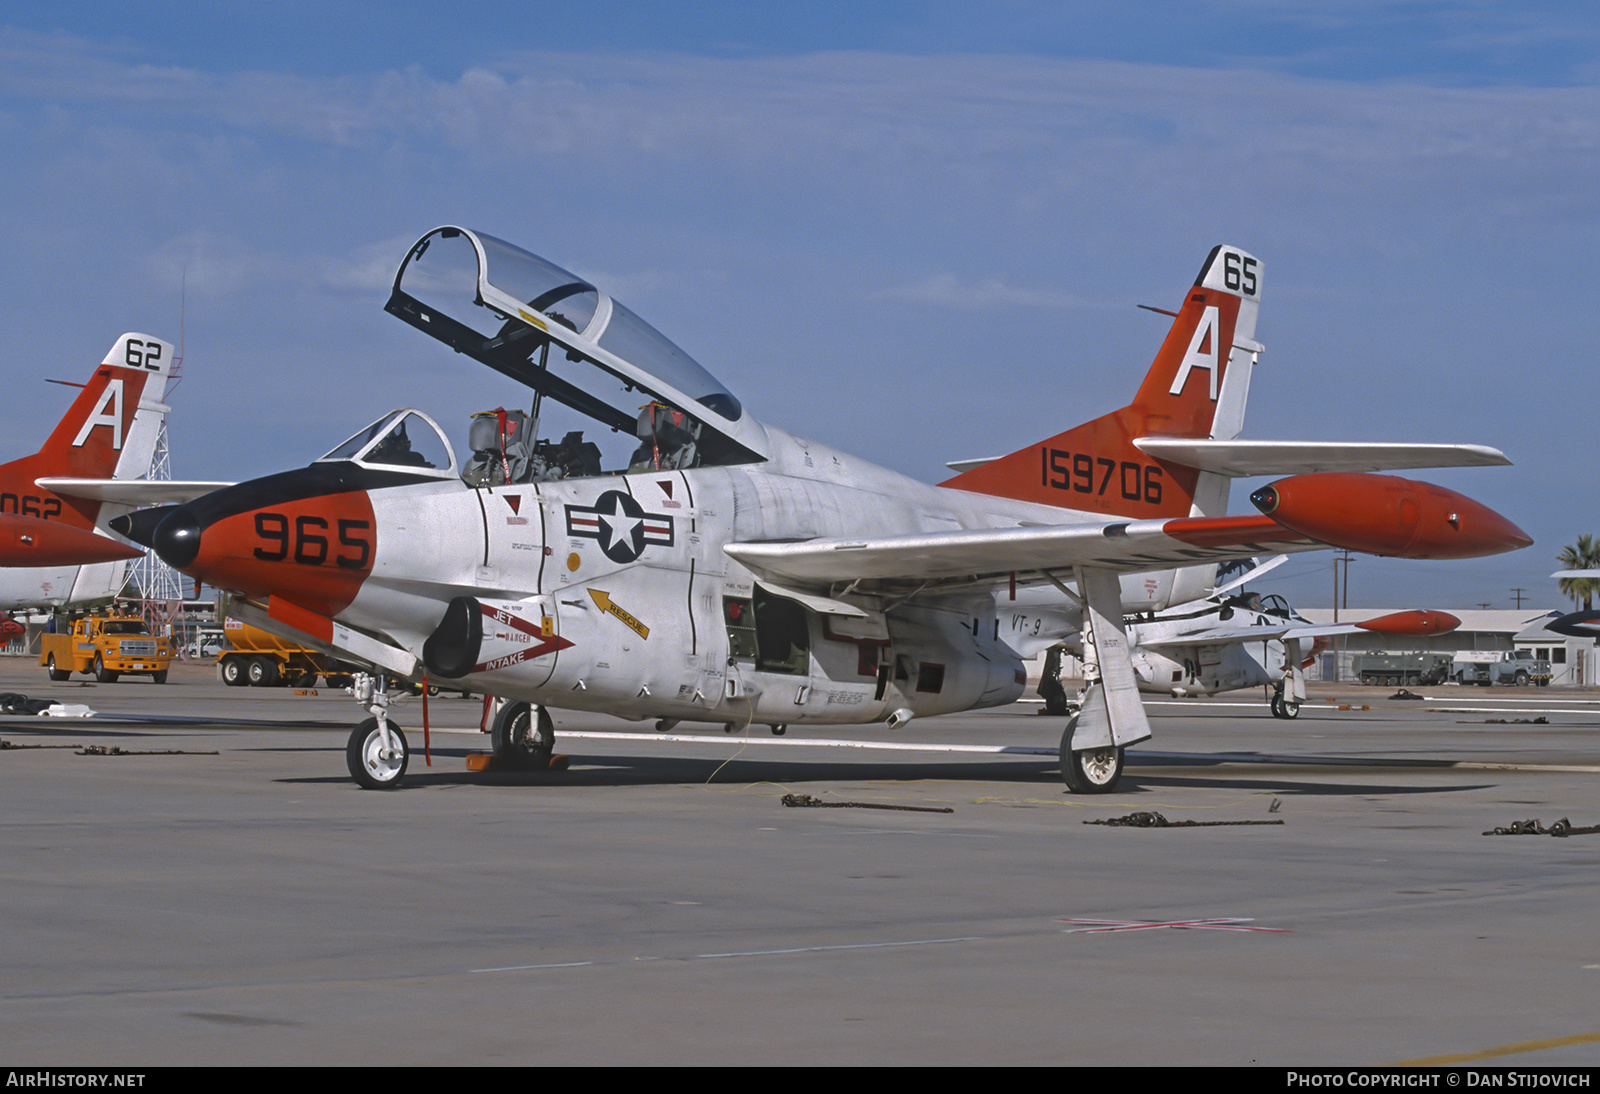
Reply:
x=506, y=308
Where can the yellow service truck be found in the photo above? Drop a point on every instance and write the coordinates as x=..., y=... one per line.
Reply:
x=258, y=659
x=109, y=646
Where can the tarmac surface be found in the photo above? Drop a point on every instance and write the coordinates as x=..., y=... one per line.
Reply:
x=222, y=893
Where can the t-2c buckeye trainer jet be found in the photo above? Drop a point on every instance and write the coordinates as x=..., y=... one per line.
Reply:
x=727, y=571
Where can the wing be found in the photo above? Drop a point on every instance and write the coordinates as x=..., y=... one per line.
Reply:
x=132, y=491
x=1415, y=623
x=1033, y=555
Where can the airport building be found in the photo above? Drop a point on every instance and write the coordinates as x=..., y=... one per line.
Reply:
x=1573, y=661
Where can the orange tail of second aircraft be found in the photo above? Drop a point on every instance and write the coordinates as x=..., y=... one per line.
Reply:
x=109, y=432
x=1196, y=387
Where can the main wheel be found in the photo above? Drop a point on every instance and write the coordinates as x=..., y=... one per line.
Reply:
x=56, y=674
x=101, y=673
x=1285, y=708
x=522, y=738
x=1091, y=770
x=233, y=673
x=372, y=767
x=263, y=672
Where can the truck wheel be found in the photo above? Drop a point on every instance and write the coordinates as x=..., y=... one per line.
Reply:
x=263, y=673
x=159, y=677
x=1521, y=679
x=56, y=674
x=100, y=672
x=233, y=673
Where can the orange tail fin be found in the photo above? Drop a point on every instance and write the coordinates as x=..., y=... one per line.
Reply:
x=108, y=432
x=1197, y=387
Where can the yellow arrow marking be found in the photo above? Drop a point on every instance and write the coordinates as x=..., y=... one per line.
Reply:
x=604, y=602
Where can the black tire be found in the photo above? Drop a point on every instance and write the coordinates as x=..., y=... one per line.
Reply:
x=520, y=738
x=367, y=767
x=102, y=674
x=1089, y=771
x=56, y=674
x=1286, y=708
x=159, y=677
x=262, y=671
x=305, y=680
x=1520, y=680
x=233, y=673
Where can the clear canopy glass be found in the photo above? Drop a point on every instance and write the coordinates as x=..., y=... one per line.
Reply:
x=406, y=439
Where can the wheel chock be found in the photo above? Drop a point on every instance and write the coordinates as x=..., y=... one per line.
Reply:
x=486, y=761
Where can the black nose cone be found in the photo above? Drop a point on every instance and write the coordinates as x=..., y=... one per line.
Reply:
x=1265, y=499
x=140, y=525
x=177, y=538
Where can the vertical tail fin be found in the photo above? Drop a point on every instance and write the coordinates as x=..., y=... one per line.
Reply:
x=109, y=431
x=1196, y=387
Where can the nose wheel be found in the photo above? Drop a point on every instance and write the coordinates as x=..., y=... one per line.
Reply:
x=377, y=764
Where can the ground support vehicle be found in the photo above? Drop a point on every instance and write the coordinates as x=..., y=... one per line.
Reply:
x=1511, y=668
x=1403, y=669
x=109, y=646
x=256, y=658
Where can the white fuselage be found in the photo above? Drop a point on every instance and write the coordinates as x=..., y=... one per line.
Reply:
x=629, y=572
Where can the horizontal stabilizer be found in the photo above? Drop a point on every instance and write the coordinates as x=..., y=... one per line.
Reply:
x=132, y=491
x=1242, y=459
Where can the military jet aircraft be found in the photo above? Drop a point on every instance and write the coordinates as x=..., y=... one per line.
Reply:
x=1580, y=624
x=727, y=571
x=1231, y=640
x=51, y=553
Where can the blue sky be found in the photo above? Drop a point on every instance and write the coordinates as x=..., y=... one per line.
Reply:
x=942, y=215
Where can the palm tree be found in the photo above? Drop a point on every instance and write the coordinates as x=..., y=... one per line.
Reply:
x=1584, y=555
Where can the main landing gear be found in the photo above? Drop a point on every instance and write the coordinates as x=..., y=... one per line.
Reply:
x=1089, y=770
x=1282, y=707
x=523, y=736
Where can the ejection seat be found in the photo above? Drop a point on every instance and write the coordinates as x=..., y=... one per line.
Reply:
x=498, y=439
x=669, y=440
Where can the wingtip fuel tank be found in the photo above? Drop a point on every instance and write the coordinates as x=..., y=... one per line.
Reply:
x=29, y=541
x=1388, y=515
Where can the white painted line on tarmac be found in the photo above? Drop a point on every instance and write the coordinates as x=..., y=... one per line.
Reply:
x=856, y=946
x=807, y=742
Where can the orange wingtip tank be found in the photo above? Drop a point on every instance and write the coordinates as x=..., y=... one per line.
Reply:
x=30, y=541
x=1388, y=515
x=1416, y=623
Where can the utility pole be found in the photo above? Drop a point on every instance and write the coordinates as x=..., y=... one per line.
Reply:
x=1517, y=592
